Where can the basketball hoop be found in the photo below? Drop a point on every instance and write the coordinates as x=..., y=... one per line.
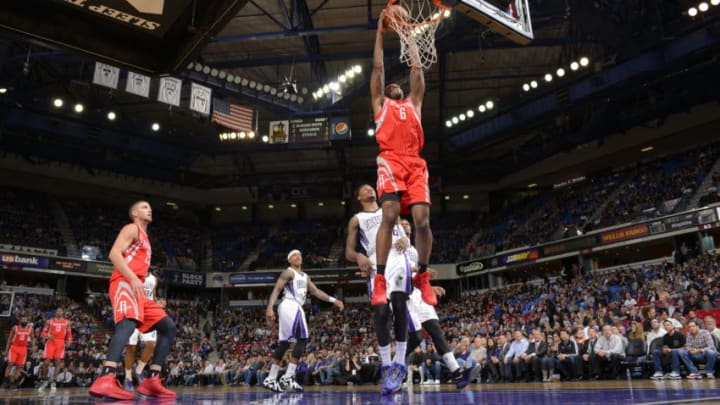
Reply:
x=416, y=28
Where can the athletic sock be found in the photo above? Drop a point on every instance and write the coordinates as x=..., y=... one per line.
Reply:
x=400, y=349
x=290, y=372
x=381, y=269
x=128, y=374
x=422, y=268
x=385, y=355
x=450, y=361
x=140, y=367
x=107, y=370
x=274, y=370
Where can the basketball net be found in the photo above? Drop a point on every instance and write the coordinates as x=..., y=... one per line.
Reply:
x=417, y=34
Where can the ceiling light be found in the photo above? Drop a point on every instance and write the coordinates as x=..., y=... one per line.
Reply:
x=266, y=88
x=482, y=108
x=3, y=90
x=447, y=197
x=532, y=185
x=300, y=100
x=342, y=78
x=198, y=67
x=265, y=138
x=470, y=113
x=293, y=98
x=230, y=77
x=548, y=77
x=271, y=206
x=320, y=204
x=155, y=126
x=58, y=102
x=584, y=61
x=251, y=135
x=647, y=149
x=560, y=72
x=574, y=66
x=446, y=13
x=244, y=208
x=466, y=197
x=206, y=69
x=252, y=84
x=489, y=104
x=370, y=132
x=233, y=135
x=448, y=123
x=526, y=87
x=293, y=205
x=243, y=81
x=455, y=120
x=222, y=74
x=703, y=7
x=242, y=135
x=218, y=209
x=533, y=84
x=214, y=72
x=79, y=108
x=273, y=91
x=692, y=12
x=342, y=202
x=462, y=117
x=111, y=116
x=357, y=68
x=715, y=2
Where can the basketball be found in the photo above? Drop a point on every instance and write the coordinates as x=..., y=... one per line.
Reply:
x=394, y=12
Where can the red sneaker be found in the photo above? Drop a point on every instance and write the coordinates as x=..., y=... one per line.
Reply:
x=422, y=282
x=379, y=291
x=107, y=386
x=152, y=387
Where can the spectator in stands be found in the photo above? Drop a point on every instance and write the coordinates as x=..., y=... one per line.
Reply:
x=608, y=352
x=567, y=355
x=415, y=361
x=433, y=365
x=673, y=342
x=655, y=332
x=711, y=326
x=512, y=360
x=532, y=359
x=352, y=369
x=699, y=347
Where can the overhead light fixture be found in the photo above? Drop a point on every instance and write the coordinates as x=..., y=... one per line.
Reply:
x=448, y=123
x=490, y=105
x=206, y=69
x=370, y=132
x=574, y=66
x=271, y=206
x=214, y=72
x=58, y=102
x=320, y=204
x=218, y=209
x=79, y=108
x=692, y=12
x=265, y=138
x=584, y=61
x=482, y=108
x=533, y=84
x=526, y=87
x=647, y=149
x=111, y=116
x=470, y=113
x=357, y=69
x=548, y=77
x=293, y=205
x=455, y=120
x=244, y=208
x=715, y=2
x=466, y=197
x=155, y=126
x=560, y=72
x=251, y=135
x=462, y=117
x=3, y=90
x=342, y=202
x=532, y=185
x=703, y=7
x=447, y=197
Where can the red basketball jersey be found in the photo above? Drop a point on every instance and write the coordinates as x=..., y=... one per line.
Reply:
x=137, y=256
x=58, y=329
x=21, y=336
x=398, y=128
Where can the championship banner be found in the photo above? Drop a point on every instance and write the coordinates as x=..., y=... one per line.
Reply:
x=138, y=84
x=184, y=278
x=340, y=129
x=169, y=91
x=279, y=131
x=200, y=98
x=19, y=261
x=620, y=235
x=106, y=75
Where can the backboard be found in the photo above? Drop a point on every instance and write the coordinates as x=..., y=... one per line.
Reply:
x=510, y=18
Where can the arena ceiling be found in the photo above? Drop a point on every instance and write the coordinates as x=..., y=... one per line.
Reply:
x=51, y=53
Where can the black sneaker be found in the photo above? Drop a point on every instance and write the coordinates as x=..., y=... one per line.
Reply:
x=461, y=378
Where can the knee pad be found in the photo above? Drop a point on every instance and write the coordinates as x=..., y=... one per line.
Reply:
x=299, y=348
x=281, y=349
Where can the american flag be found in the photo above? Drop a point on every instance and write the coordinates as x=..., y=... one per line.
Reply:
x=232, y=116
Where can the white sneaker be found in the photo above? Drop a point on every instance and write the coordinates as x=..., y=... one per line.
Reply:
x=43, y=385
x=289, y=384
x=436, y=382
x=658, y=376
x=53, y=388
x=673, y=376
x=272, y=384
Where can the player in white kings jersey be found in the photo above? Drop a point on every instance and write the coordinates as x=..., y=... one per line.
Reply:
x=148, y=339
x=295, y=284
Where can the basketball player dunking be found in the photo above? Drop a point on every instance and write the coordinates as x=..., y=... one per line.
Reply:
x=57, y=331
x=130, y=254
x=295, y=284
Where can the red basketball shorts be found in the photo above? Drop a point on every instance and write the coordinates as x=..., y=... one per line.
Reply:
x=405, y=175
x=54, y=349
x=17, y=355
x=126, y=304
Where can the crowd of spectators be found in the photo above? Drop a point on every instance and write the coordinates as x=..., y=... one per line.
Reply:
x=313, y=237
x=25, y=220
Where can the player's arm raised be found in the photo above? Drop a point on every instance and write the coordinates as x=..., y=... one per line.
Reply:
x=377, y=78
x=417, y=76
x=322, y=295
x=351, y=242
x=127, y=235
x=285, y=277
